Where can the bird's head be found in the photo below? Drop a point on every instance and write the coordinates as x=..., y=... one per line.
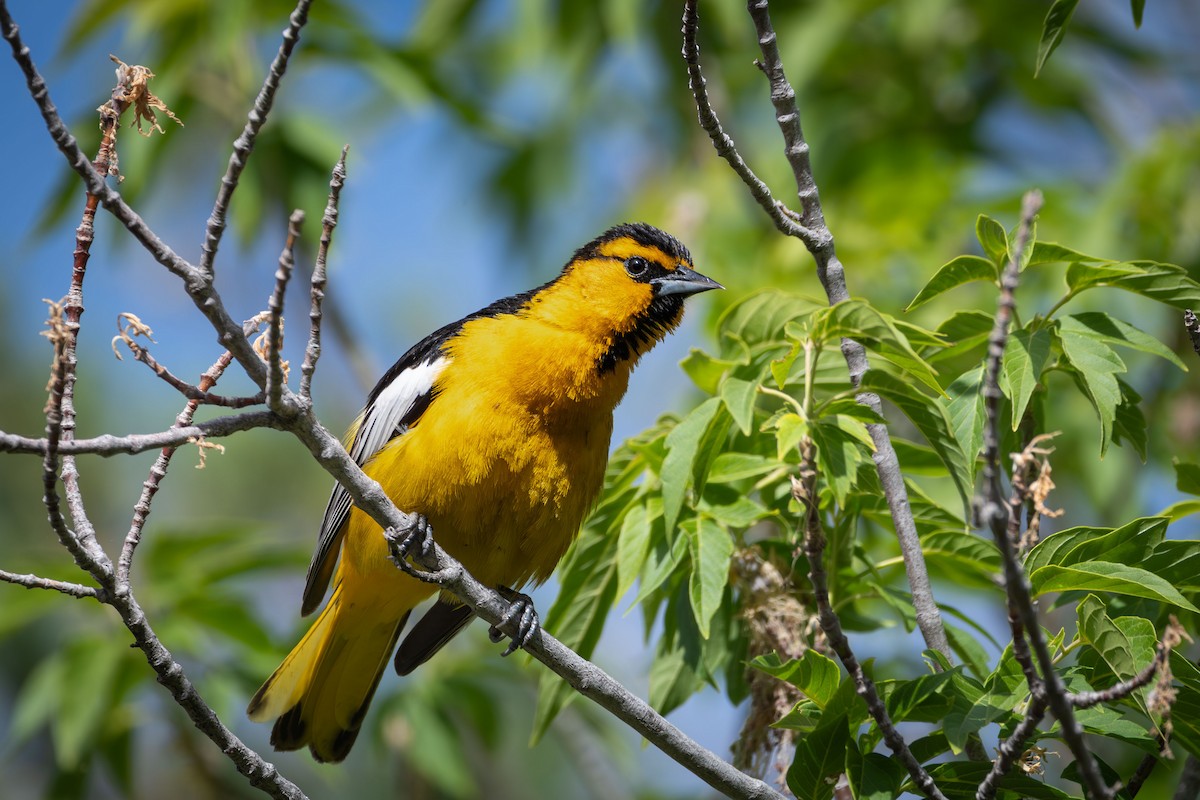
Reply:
x=631, y=282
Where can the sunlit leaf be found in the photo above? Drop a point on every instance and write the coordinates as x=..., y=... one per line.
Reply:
x=1053, y=30
x=1025, y=357
x=1105, y=576
x=956, y=272
x=711, y=549
x=993, y=240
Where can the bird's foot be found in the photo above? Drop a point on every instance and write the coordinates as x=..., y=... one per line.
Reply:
x=416, y=540
x=520, y=612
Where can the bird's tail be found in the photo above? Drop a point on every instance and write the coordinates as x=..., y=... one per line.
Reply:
x=320, y=693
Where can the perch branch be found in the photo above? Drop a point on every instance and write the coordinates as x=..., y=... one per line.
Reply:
x=38, y=582
x=804, y=491
x=997, y=512
x=809, y=226
x=245, y=142
x=312, y=351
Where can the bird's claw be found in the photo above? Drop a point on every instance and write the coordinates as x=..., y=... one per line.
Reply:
x=418, y=539
x=523, y=614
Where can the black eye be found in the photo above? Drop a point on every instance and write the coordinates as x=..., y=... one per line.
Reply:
x=636, y=266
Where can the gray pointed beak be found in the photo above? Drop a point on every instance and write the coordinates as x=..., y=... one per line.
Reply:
x=685, y=281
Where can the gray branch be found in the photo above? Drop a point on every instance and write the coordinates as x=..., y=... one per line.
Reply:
x=809, y=226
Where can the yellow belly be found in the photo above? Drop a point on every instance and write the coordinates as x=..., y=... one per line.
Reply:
x=505, y=491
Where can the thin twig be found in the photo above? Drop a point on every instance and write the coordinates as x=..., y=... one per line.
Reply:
x=804, y=491
x=312, y=351
x=245, y=142
x=997, y=512
x=816, y=236
x=1192, y=324
x=109, y=445
x=1012, y=747
x=276, y=378
x=30, y=581
x=189, y=391
x=783, y=217
x=1189, y=781
x=199, y=286
x=158, y=471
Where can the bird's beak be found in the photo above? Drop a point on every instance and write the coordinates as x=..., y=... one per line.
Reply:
x=682, y=280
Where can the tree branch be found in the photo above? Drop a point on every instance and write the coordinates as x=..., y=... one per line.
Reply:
x=804, y=491
x=158, y=471
x=312, y=351
x=997, y=513
x=276, y=371
x=108, y=445
x=811, y=229
x=245, y=142
x=1012, y=747
x=30, y=581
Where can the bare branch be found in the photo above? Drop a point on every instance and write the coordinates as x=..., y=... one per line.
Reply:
x=109, y=445
x=1189, y=781
x=245, y=143
x=1192, y=324
x=997, y=513
x=810, y=228
x=312, y=351
x=158, y=471
x=1012, y=747
x=276, y=368
x=804, y=491
x=199, y=286
x=30, y=581
x=783, y=217
x=186, y=389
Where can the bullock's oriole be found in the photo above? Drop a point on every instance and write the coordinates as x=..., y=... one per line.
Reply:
x=496, y=428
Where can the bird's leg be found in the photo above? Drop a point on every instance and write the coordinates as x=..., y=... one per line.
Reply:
x=523, y=614
x=418, y=539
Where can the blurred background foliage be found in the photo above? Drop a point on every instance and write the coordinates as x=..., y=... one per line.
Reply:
x=489, y=138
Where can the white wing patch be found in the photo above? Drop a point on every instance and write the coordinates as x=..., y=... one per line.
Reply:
x=381, y=422
x=395, y=409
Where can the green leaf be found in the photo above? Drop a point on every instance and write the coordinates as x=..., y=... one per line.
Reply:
x=1111, y=330
x=760, y=317
x=781, y=367
x=711, y=550
x=967, y=415
x=665, y=556
x=1166, y=283
x=954, y=273
x=817, y=676
x=966, y=331
x=1130, y=423
x=1127, y=645
x=1025, y=358
x=790, y=429
x=683, y=445
x=1128, y=544
x=1051, y=253
x=874, y=330
x=932, y=418
x=963, y=555
x=633, y=545
x=739, y=396
x=1184, y=508
x=1187, y=476
x=960, y=779
x=733, y=466
x=1053, y=30
x=820, y=758
x=1096, y=365
x=672, y=678
x=705, y=370
x=874, y=776
x=587, y=590
x=1106, y=576
x=839, y=455
x=994, y=241
x=1138, y=7
x=741, y=513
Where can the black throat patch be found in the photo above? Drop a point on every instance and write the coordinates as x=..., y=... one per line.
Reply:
x=656, y=322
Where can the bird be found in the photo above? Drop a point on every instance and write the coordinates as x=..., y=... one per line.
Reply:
x=495, y=430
